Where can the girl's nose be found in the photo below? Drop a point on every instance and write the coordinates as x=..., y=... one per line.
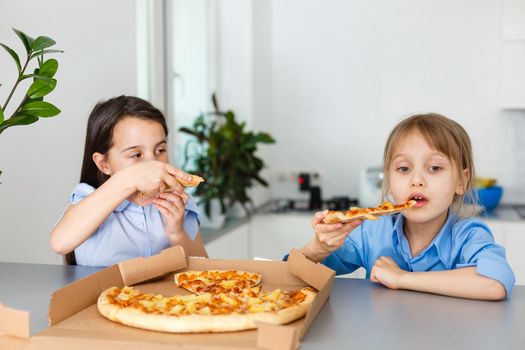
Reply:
x=417, y=183
x=149, y=156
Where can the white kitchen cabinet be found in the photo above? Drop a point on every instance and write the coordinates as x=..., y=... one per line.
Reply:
x=232, y=245
x=511, y=235
x=513, y=55
x=274, y=235
x=513, y=74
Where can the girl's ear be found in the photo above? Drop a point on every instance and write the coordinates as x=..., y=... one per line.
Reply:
x=462, y=183
x=101, y=163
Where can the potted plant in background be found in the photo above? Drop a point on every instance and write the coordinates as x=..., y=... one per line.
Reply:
x=32, y=106
x=225, y=157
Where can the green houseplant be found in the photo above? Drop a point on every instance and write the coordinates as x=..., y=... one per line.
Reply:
x=225, y=157
x=32, y=105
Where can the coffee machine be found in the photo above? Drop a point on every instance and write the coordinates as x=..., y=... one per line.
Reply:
x=315, y=201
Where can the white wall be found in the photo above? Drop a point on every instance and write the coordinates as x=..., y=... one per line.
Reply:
x=41, y=162
x=243, y=71
x=343, y=73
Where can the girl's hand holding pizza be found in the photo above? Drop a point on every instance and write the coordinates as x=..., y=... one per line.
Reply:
x=330, y=237
x=172, y=207
x=387, y=272
x=153, y=176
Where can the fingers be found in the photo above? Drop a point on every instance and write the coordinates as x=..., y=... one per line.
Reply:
x=172, y=201
x=171, y=184
x=318, y=217
x=384, y=261
x=163, y=210
x=176, y=172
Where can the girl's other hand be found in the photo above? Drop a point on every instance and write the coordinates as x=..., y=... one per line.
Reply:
x=172, y=206
x=330, y=237
x=387, y=272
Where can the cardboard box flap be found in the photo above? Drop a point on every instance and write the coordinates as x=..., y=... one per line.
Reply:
x=277, y=337
x=14, y=323
x=315, y=307
x=141, y=269
x=80, y=294
x=315, y=274
x=318, y=276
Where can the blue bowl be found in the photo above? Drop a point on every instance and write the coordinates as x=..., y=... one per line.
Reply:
x=489, y=197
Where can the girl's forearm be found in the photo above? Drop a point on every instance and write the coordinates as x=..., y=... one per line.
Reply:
x=463, y=283
x=314, y=251
x=82, y=219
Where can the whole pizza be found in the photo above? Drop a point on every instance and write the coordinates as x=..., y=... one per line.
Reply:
x=224, y=301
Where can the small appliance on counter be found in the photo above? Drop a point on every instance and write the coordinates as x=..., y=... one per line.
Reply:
x=315, y=202
x=340, y=203
x=371, y=181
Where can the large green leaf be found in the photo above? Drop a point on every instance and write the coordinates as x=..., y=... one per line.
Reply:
x=14, y=55
x=43, y=52
x=40, y=88
x=19, y=119
x=36, y=76
x=41, y=43
x=48, y=68
x=26, y=40
x=40, y=109
x=1, y=115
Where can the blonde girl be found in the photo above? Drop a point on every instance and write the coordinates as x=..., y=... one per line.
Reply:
x=431, y=247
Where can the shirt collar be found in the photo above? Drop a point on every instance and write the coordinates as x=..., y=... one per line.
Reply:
x=122, y=206
x=442, y=242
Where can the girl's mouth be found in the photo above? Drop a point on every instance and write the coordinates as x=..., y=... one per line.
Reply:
x=420, y=200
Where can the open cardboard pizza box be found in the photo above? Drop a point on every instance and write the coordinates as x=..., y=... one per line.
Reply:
x=75, y=322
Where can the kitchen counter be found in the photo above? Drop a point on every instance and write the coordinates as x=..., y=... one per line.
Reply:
x=358, y=315
x=503, y=213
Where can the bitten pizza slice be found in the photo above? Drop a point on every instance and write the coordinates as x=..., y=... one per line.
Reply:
x=195, y=181
x=355, y=213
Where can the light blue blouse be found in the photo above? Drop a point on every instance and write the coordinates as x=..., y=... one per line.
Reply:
x=129, y=231
x=460, y=243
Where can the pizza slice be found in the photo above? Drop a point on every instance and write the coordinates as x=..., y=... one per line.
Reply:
x=203, y=313
x=195, y=181
x=355, y=213
x=217, y=281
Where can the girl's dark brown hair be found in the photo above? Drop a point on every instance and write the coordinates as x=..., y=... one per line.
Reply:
x=446, y=136
x=99, y=136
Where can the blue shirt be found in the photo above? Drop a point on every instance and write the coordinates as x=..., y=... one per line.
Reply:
x=460, y=243
x=130, y=231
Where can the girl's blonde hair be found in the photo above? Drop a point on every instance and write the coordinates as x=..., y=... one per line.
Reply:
x=446, y=136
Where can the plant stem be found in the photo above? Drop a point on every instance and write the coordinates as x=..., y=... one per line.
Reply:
x=16, y=84
x=20, y=105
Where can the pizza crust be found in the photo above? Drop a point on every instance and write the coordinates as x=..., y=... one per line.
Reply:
x=198, y=323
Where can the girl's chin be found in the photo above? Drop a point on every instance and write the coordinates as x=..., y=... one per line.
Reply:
x=421, y=217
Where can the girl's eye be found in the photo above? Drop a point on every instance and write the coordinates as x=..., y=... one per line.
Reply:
x=136, y=155
x=402, y=169
x=435, y=168
x=161, y=150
